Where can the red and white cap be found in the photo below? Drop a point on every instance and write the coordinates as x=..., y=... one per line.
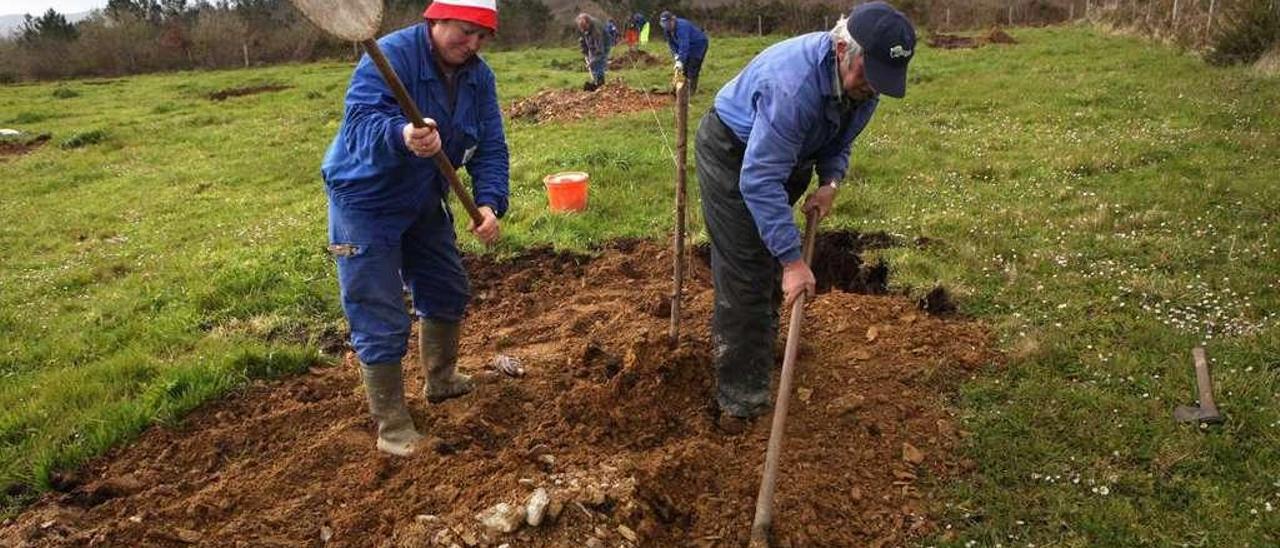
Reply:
x=480, y=12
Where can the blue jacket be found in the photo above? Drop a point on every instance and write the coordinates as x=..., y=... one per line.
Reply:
x=637, y=21
x=368, y=167
x=687, y=40
x=787, y=105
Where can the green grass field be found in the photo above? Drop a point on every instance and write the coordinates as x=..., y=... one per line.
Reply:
x=1102, y=202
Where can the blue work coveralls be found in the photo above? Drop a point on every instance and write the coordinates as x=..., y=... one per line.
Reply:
x=772, y=126
x=688, y=45
x=389, y=223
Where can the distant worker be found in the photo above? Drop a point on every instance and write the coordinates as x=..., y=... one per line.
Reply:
x=634, y=26
x=389, y=221
x=594, y=42
x=611, y=30
x=688, y=45
x=795, y=109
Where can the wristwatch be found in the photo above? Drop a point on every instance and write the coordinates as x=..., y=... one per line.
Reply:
x=835, y=185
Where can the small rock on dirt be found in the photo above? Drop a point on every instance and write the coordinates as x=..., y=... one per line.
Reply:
x=627, y=533
x=502, y=518
x=554, y=508
x=426, y=518
x=872, y=333
x=536, y=508
x=911, y=454
x=594, y=542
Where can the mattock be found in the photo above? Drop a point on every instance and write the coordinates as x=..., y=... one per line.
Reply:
x=763, y=524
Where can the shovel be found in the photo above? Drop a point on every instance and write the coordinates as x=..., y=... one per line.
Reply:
x=763, y=523
x=358, y=21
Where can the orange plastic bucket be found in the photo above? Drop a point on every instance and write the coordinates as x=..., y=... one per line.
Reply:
x=567, y=191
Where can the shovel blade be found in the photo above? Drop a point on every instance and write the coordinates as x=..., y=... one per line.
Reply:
x=352, y=20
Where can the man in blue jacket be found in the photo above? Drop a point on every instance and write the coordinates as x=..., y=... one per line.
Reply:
x=688, y=45
x=389, y=223
x=795, y=109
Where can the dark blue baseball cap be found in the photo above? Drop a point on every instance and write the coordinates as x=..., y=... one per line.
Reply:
x=888, y=43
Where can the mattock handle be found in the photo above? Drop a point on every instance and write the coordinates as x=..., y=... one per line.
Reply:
x=418, y=120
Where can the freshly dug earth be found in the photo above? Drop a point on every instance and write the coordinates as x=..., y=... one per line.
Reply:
x=228, y=93
x=616, y=427
x=612, y=99
x=17, y=146
x=635, y=59
x=953, y=41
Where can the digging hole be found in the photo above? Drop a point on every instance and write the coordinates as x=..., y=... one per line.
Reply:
x=238, y=92
x=838, y=264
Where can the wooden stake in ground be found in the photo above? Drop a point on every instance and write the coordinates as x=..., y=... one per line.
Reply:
x=682, y=153
x=358, y=21
x=763, y=523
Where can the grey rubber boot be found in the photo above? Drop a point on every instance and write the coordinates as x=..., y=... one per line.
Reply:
x=384, y=386
x=438, y=353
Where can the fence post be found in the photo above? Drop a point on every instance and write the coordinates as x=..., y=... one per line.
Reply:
x=760, y=25
x=1209, y=24
x=1011, y=15
x=244, y=46
x=1175, y=15
x=948, y=17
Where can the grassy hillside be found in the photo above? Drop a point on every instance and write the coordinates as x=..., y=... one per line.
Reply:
x=1103, y=203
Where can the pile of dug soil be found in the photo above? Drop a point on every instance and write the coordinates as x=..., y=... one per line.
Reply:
x=21, y=144
x=223, y=95
x=953, y=41
x=614, y=98
x=636, y=59
x=609, y=422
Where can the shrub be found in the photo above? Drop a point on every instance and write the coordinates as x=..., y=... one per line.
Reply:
x=85, y=138
x=1248, y=30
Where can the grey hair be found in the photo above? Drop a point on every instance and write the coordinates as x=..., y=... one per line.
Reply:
x=840, y=33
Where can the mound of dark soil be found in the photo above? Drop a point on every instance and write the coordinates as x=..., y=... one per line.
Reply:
x=608, y=420
x=19, y=145
x=636, y=59
x=611, y=99
x=228, y=93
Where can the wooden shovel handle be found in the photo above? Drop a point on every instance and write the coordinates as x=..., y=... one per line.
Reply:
x=415, y=117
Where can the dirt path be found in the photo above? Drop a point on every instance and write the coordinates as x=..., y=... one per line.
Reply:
x=634, y=458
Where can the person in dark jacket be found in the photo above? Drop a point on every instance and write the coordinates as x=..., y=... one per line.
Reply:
x=389, y=222
x=688, y=46
x=594, y=42
x=795, y=109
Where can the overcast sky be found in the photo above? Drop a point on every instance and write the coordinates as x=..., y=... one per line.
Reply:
x=37, y=7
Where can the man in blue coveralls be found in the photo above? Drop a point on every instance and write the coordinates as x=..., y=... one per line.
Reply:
x=389, y=223
x=795, y=109
x=688, y=45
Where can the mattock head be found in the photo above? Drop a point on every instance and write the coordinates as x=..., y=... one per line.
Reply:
x=1196, y=414
x=352, y=20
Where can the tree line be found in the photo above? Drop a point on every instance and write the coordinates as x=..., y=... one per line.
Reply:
x=136, y=36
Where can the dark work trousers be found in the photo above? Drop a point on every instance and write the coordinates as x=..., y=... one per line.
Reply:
x=747, y=278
